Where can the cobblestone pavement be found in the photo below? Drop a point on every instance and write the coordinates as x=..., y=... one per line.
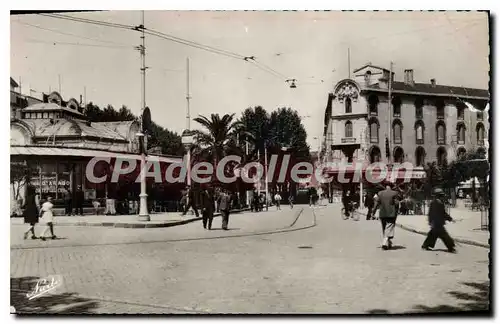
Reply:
x=336, y=266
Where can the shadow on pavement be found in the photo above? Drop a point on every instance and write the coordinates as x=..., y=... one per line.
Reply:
x=64, y=303
x=477, y=302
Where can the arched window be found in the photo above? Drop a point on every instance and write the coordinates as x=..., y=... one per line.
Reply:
x=419, y=132
x=420, y=156
x=399, y=155
x=374, y=126
x=461, y=153
x=440, y=133
x=480, y=133
x=441, y=156
x=373, y=104
x=375, y=155
x=460, y=110
x=348, y=129
x=397, y=131
x=348, y=105
x=461, y=133
x=396, y=104
x=419, y=108
x=482, y=152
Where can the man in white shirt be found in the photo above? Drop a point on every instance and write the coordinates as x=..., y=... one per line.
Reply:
x=277, y=198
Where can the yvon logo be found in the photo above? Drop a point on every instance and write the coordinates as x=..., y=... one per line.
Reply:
x=44, y=286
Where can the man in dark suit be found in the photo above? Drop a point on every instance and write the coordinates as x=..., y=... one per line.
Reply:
x=208, y=205
x=79, y=198
x=224, y=207
x=388, y=199
x=437, y=219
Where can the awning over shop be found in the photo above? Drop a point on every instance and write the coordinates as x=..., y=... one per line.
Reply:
x=77, y=152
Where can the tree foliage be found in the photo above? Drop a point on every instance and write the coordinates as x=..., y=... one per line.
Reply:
x=169, y=142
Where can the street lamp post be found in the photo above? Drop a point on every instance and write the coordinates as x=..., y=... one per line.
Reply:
x=187, y=141
x=143, y=202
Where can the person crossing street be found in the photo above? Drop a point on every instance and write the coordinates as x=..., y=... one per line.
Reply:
x=388, y=200
x=437, y=219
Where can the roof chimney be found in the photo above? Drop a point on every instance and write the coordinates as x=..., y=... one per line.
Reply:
x=433, y=83
x=409, y=77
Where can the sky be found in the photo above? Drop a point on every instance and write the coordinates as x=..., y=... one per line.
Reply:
x=451, y=47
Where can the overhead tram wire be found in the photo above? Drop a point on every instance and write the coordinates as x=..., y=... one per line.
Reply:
x=79, y=44
x=69, y=34
x=179, y=40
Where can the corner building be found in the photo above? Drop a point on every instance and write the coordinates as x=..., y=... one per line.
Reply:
x=424, y=122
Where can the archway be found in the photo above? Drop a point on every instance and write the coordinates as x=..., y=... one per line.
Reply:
x=420, y=156
x=375, y=154
x=398, y=154
x=441, y=155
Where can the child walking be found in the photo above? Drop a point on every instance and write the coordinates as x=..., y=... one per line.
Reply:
x=47, y=216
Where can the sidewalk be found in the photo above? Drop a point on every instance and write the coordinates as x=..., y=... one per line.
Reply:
x=466, y=229
x=125, y=221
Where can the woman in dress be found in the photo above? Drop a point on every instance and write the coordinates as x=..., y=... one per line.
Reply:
x=30, y=211
x=47, y=217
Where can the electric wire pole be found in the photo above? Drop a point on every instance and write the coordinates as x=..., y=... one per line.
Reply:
x=143, y=207
x=389, y=128
x=188, y=98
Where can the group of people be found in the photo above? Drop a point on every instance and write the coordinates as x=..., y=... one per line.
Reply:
x=34, y=213
x=387, y=201
x=209, y=199
x=73, y=202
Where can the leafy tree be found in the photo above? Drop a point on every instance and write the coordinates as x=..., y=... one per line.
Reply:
x=169, y=142
x=287, y=130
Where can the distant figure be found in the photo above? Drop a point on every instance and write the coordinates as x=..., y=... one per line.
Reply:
x=190, y=203
x=290, y=201
x=47, y=216
x=79, y=198
x=369, y=202
x=437, y=219
x=68, y=207
x=208, y=207
x=224, y=207
x=277, y=198
x=388, y=200
x=30, y=211
x=345, y=202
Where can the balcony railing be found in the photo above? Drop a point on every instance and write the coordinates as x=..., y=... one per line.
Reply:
x=348, y=140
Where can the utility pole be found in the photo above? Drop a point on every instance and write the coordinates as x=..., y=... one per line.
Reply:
x=59, y=77
x=84, y=97
x=389, y=124
x=188, y=98
x=143, y=207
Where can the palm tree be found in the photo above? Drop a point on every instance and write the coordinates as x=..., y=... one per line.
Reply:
x=217, y=138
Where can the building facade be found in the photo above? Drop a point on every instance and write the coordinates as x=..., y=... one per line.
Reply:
x=424, y=122
x=55, y=142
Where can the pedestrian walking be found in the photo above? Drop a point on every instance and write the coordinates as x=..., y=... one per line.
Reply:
x=345, y=202
x=67, y=196
x=79, y=198
x=369, y=202
x=190, y=203
x=30, y=212
x=47, y=217
x=224, y=207
x=437, y=219
x=208, y=207
x=277, y=198
x=388, y=200
x=290, y=201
